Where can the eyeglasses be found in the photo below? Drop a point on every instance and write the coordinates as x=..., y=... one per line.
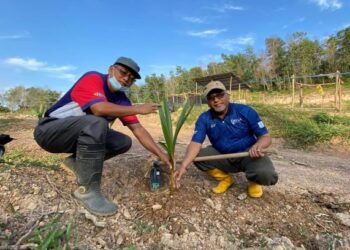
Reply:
x=125, y=73
x=212, y=97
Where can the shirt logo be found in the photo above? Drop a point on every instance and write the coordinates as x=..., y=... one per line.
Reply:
x=212, y=125
x=98, y=94
x=261, y=124
x=234, y=121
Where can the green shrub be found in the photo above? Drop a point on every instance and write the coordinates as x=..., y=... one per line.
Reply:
x=327, y=119
x=323, y=118
x=303, y=133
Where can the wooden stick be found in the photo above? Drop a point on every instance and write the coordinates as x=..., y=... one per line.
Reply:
x=226, y=156
x=221, y=157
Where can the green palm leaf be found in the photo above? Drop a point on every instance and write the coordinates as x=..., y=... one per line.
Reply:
x=182, y=118
x=169, y=137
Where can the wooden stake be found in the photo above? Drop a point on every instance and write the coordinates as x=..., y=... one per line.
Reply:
x=293, y=90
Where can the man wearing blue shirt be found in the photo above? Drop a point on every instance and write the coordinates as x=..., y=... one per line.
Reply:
x=230, y=128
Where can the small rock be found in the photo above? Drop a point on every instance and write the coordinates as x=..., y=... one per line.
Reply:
x=126, y=214
x=212, y=238
x=101, y=242
x=344, y=218
x=218, y=207
x=120, y=240
x=221, y=241
x=282, y=243
x=166, y=239
x=242, y=196
x=210, y=203
x=229, y=210
x=31, y=206
x=156, y=207
x=250, y=231
x=51, y=194
x=36, y=189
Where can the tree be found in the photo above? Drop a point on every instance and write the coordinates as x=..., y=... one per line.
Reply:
x=330, y=50
x=15, y=98
x=343, y=49
x=30, y=99
x=156, y=87
x=304, y=55
x=276, y=55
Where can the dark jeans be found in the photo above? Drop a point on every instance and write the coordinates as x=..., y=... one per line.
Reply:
x=62, y=135
x=259, y=170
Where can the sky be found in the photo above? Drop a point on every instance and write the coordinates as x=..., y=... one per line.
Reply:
x=50, y=44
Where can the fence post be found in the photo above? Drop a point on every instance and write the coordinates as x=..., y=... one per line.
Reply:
x=239, y=91
x=337, y=91
x=301, y=101
x=293, y=90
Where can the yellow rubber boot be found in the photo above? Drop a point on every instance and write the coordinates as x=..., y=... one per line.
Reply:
x=225, y=180
x=254, y=190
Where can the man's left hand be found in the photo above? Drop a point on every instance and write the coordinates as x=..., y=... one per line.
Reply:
x=256, y=151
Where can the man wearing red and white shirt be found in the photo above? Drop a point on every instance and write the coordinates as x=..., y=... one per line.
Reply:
x=78, y=124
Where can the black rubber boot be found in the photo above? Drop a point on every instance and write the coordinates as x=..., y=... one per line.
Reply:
x=88, y=169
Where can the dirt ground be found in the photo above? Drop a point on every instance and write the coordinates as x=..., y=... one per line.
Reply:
x=309, y=208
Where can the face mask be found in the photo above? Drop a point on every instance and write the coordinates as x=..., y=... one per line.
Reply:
x=117, y=86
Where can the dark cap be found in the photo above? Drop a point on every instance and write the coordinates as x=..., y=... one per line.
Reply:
x=130, y=64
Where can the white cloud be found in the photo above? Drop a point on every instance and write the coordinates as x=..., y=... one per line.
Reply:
x=328, y=4
x=67, y=76
x=29, y=64
x=227, y=7
x=59, y=68
x=345, y=26
x=192, y=19
x=14, y=36
x=207, y=33
x=32, y=64
x=234, y=43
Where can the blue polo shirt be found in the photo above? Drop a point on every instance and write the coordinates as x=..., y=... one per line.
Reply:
x=237, y=132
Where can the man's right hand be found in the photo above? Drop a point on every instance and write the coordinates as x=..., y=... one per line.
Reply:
x=147, y=108
x=178, y=174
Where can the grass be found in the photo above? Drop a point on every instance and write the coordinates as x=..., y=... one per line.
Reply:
x=142, y=228
x=301, y=129
x=53, y=235
x=6, y=123
x=19, y=158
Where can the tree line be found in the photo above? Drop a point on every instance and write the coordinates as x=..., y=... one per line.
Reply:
x=33, y=99
x=298, y=55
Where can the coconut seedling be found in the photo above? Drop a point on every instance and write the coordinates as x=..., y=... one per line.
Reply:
x=170, y=136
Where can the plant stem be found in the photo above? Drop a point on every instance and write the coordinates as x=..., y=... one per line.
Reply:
x=172, y=182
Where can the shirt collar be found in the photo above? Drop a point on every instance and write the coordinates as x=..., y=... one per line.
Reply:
x=214, y=114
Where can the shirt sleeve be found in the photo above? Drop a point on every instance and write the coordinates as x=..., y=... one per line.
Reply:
x=200, y=130
x=256, y=123
x=129, y=119
x=88, y=91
